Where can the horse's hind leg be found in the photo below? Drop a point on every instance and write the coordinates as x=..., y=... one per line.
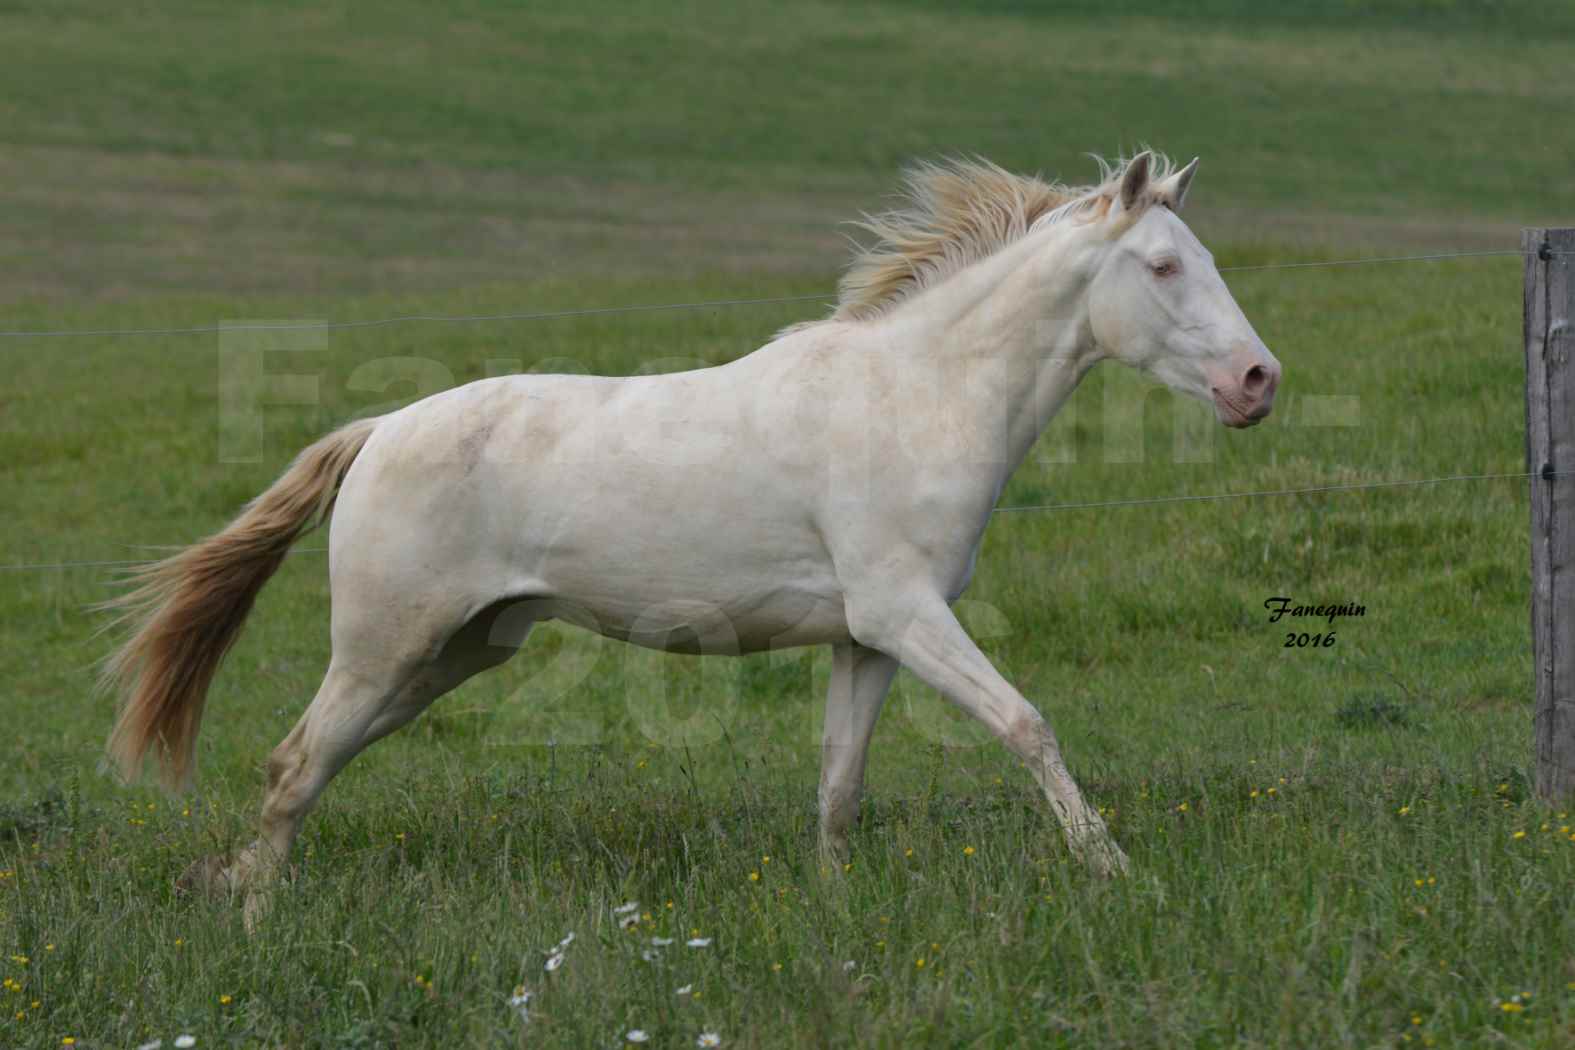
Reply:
x=365, y=696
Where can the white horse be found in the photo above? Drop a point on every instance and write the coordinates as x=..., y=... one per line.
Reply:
x=830, y=488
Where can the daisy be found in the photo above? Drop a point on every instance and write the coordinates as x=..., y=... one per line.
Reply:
x=650, y=955
x=628, y=922
x=661, y=942
x=627, y=908
x=568, y=939
x=520, y=1001
x=699, y=942
x=184, y=1041
x=705, y=1039
x=685, y=990
x=554, y=962
x=638, y=1035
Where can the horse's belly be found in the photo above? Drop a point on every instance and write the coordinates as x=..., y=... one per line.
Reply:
x=684, y=621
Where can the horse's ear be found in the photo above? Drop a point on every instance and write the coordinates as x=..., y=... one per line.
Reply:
x=1175, y=189
x=1134, y=180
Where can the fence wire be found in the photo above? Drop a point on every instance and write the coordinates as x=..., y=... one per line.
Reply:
x=1209, y=497
x=718, y=303
x=607, y=311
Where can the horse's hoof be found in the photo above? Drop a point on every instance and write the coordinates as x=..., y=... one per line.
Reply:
x=833, y=855
x=1108, y=861
x=205, y=876
x=1102, y=857
x=258, y=903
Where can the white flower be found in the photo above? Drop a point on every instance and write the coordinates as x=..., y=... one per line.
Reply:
x=650, y=955
x=152, y=1044
x=849, y=966
x=699, y=942
x=708, y=1039
x=628, y=907
x=520, y=1001
x=183, y=1041
x=638, y=1035
x=628, y=922
x=685, y=990
x=554, y=962
x=661, y=942
x=568, y=939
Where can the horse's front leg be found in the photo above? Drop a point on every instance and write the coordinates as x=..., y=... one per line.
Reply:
x=921, y=632
x=860, y=678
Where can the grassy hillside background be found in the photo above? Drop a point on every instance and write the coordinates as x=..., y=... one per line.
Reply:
x=1325, y=841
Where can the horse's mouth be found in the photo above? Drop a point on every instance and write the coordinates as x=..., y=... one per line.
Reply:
x=1236, y=417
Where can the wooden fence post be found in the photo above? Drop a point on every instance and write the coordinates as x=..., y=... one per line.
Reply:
x=1550, y=458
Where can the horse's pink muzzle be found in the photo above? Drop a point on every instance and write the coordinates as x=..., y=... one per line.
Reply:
x=1244, y=393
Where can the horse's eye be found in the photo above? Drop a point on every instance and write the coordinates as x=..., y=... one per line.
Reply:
x=1163, y=269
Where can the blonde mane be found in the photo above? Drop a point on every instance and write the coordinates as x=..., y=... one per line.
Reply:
x=953, y=214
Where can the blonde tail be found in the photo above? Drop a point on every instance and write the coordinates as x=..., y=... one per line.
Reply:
x=187, y=610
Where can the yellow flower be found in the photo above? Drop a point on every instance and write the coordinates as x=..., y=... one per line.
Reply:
x=1253, y=794
x=968, y=851
x=1403, y=810
x=908, y=852
x=847, y=868
x=1511, y=1008
x=1181, y=808
x=49, y=947
x=1416, y=1018
x=1518, y=835
x=68, y=1041
x=766, y=859
x=776, y=967
x=919, y=964
x=1275, y=791
x=225, y=1000
x=754, y=876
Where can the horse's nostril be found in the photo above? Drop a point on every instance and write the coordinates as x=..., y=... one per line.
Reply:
x=1255, y=380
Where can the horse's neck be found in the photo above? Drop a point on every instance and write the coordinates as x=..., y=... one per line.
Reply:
x=1015, y=327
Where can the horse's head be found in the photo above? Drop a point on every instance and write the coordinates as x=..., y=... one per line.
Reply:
x=1157, y=302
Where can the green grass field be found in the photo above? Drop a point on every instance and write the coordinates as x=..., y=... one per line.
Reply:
x=1331, y=847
